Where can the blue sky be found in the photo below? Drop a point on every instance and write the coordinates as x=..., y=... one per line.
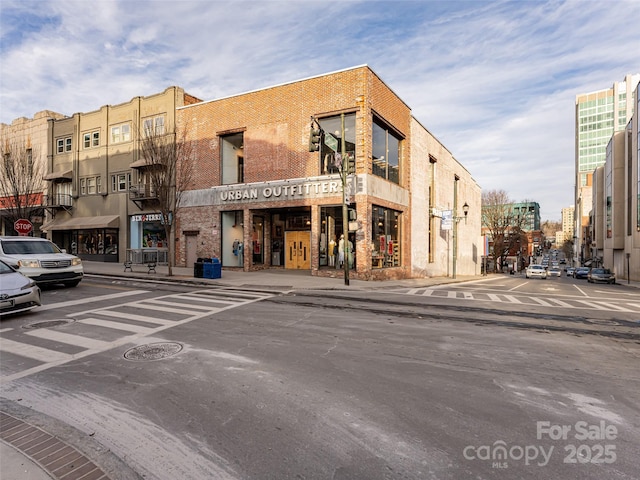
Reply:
x=495, y=82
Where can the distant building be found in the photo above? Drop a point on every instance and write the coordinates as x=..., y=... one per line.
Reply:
x=568, y=226
x=529, y=212
x=598, y=115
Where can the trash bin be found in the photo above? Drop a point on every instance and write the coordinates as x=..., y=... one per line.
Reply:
x=198, y=270
x=207, y=268
x=216, y=268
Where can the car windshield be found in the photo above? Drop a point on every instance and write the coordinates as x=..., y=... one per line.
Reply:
x=17, y=247
x=4, y=268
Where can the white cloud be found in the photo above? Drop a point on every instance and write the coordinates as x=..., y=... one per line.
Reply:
x=494, y=81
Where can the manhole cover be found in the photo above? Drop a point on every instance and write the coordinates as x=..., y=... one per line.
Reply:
x=152, y=351
x=46, y=324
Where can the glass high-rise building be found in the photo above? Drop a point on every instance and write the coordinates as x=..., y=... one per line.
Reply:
x=598, y=115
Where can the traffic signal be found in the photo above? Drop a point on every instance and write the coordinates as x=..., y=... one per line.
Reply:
x=351, y=163
x=315, y=135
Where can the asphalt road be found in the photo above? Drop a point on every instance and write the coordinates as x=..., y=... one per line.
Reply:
x=501, y=379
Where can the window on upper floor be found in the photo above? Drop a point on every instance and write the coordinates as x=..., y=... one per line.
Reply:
x=153, y=125
x=120, y=182
x=385, y=152
x=63, y=144
x=120, y=133
x=91, y=139
x=232, y=158
x=333, y=126
x=90, y=185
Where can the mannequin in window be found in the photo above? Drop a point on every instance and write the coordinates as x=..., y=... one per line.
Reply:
x=340, y=262
x=333, y=249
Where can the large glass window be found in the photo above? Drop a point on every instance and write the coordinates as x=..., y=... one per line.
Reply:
x=333, y=126
x=385, y=235
x=232, y=151
x=385, y=152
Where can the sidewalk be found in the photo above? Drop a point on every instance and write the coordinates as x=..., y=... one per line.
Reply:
x=269, y=278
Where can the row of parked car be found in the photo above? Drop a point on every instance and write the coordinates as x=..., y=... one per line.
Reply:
x=26, y=263
x=593, y=275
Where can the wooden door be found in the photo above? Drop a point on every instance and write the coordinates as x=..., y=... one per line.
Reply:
x=297, y=250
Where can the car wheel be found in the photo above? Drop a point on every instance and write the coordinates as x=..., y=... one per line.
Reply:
x=72, y=284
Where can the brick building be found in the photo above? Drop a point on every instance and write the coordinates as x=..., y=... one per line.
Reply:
x=262, y=199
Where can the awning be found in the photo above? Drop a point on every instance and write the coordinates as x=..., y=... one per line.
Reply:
x=83, y=223
x=143, y=163
x=66, y=175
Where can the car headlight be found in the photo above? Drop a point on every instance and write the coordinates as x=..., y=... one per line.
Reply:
x=29, y=263
x=76, y=261
x=29, y=285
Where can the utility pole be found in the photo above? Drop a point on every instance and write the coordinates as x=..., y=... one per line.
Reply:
x=345, y=206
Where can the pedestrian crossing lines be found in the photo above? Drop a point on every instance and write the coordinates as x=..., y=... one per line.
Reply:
x=25, y=352
x=523, y=299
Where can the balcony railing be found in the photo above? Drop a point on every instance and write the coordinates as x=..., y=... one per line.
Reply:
x=58, y=200
x=142, y=192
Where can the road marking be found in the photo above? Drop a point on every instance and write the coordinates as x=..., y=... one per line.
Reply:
x=133, y=316
x=452, y=294
x=70, y=303
x=33, y=352
x=427, y=292
x=541, y=302
x=127, y=327
x=468, y=295
x=615, y=307
x=70, y=339
x=152, y=306
x=189, y=305
x=592, y=304
x=494, y=297
x=581, y=291
x=561, y=303
x=512, y=299
x=517, y=286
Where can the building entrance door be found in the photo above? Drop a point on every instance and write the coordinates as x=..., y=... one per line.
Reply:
x=298, y=250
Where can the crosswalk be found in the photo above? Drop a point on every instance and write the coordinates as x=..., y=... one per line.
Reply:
x=524, y=299
x=27, y=351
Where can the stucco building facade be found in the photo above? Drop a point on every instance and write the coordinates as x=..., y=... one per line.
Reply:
x=99, y=201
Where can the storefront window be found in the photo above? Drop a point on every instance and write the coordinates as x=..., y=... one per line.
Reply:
x=330, y=232
x=385, y=234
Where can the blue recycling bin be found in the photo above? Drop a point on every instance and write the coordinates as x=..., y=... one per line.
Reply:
x=212, y=268
x=216, y=268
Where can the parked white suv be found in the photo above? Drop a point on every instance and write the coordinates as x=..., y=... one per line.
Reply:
x=41, y=260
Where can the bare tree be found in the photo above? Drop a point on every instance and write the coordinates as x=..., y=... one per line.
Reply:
x=21, y=181
x=169, y=169
x=503, y=225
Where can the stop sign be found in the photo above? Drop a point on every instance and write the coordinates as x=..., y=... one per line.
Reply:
x=23, y=227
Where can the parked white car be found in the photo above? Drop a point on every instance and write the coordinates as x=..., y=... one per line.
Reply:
x=17, y=292
x=41, y=260
x=536, y=271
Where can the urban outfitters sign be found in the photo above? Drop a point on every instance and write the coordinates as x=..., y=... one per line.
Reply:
x=274, y=191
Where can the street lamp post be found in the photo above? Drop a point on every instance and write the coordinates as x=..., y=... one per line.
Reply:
x=456, y=220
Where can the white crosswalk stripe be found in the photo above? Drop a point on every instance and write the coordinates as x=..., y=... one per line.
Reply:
x=130, y=320
x=524, y=299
